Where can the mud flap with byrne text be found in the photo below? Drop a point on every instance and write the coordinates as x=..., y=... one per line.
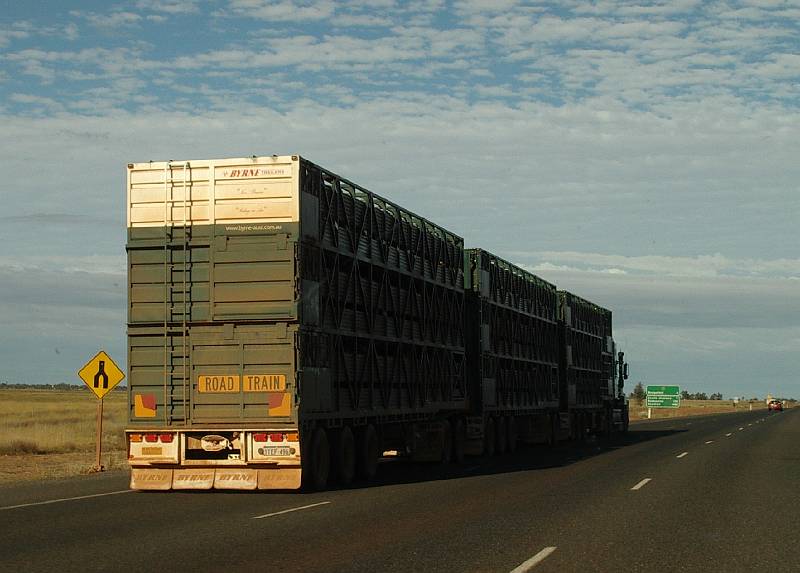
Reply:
x=151, y=479
x=280, y=478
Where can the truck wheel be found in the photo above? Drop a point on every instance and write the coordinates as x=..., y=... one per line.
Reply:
x=368, y=452
x=555, y=429
x=447, y=442
x=345, y=456
x=459, y=441
x=489, y=438
x=608, y=423
x=511, y=429
x=316, y=465
x=581, y=428
x=502, y=435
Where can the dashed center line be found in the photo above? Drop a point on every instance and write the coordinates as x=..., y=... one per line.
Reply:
x=291, y=510
x=728, y=435
x=641, y=484
x=710, y=442
x=683, y=454
x=533, y=561
x=749, y=424
x=740, y=429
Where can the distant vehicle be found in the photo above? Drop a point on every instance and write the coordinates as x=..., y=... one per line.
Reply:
x=775, y=406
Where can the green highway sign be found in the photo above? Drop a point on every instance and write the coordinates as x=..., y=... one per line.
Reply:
x=663, y=396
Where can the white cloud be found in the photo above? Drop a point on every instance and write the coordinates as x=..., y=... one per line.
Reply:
x=48, y=104
x=109, y=20
x=16, y=32
x=169, y=6
x=700, y=266
x=71, y=31
x=359, y=20
x=283, y=10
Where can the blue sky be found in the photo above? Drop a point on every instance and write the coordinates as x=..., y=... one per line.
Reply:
x=641, y=154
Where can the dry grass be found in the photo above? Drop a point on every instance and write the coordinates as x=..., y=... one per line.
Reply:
x=638, y=410
x=55, y=431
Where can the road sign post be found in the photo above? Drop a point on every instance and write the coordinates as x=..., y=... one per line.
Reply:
x=100, y=374
x=663, y=397
x=98, y=446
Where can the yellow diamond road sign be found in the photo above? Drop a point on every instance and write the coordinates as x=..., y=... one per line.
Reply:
x=101, y=374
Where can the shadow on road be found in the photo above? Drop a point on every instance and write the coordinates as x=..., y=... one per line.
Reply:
x=526, y=458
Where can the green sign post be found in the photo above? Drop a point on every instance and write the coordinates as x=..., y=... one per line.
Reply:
x=663, y=397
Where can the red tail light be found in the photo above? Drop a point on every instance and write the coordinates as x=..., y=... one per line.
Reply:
x=166, y=438
x=260, y=437
x=151, y=438
x=276, y=437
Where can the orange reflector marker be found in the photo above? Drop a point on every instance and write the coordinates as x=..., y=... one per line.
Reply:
x=260, y=437
x=293, y=437
x=276, y=437
x=166, y=438
x=151, y=438
x=135, y=437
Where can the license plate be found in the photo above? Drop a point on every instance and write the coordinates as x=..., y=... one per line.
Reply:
x=275, y=451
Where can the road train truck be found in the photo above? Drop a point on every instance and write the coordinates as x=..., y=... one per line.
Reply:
x=287, y=327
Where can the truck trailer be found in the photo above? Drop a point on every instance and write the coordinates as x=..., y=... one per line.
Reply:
x=287, y=327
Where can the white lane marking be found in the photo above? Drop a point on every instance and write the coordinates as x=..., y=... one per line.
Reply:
x=728, y=435
x=641, y=484
x=291, y=510
x=710, y=442
x=740, y=429
x=49, y=501
x=533, y=561
x=749, y=424
x=683, y=454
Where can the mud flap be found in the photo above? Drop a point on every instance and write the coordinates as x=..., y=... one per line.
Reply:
x=235, y=479
x=151, y=479
x=193, y=479
x=280, y=478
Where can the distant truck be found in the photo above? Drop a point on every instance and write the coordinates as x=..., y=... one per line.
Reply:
x=286, y=327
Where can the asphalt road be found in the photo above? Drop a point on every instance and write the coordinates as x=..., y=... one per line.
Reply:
x=722, y=495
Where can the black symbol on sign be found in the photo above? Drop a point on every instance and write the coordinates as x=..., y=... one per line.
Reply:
x=101, y=375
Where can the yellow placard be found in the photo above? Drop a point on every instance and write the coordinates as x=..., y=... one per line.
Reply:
x=100, y=374
x=218, y=383
x=264, y=382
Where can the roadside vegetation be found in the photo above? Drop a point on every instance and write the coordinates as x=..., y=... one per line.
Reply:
x=695, y=404
x=638, y=408
x=51, y=433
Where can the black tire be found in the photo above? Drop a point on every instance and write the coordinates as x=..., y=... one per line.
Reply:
x=345, y=456
x=511, y=430
x=447, y=442
x=317, y=462
x=459, y=441
x=368, y=452
x=502, y=436
x=555, y=429
x=489, y=438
